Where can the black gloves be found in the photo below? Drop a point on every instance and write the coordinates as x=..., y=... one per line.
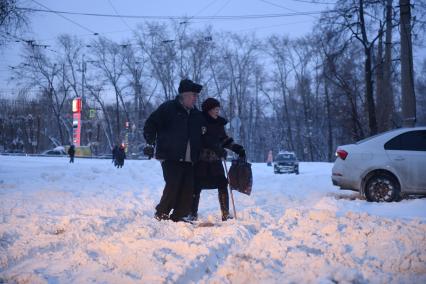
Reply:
x=242, y=154
x=227, y=142
x=239, y=150
x=148, y=151
x=224, y=154
x=220, y=152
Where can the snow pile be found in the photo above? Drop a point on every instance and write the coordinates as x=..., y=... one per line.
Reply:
x=90, y=222
x=315, y=246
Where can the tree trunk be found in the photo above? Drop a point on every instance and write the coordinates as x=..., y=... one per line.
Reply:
x=380, y=95
x=58, y=122
x=389, y=105
x=286, y=115
x=117, y=117
x=38, y=134
x=329, y=128
x=407, y=73
x=369, y=97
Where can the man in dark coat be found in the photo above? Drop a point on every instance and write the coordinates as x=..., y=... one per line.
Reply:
x=121, y=155
x=71, y=153
x=175, y=129
x=209, y=172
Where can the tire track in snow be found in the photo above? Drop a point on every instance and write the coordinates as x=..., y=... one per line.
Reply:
x=237, y=234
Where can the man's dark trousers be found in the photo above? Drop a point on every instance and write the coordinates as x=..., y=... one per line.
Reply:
x=177, y=193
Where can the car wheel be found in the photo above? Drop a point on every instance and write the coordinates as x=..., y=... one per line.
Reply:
x=297, y=171
x=382, y=187
x=276, y=172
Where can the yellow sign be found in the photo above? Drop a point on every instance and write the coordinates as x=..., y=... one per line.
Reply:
x=81, y=151
x=92, y=113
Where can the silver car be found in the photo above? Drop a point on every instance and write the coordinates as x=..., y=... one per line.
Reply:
x=286, y=162
x=385, y=166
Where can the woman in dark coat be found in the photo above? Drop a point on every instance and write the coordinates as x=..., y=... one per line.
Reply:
x=209, y=172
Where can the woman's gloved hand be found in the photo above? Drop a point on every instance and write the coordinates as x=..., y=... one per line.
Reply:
x=148, y=151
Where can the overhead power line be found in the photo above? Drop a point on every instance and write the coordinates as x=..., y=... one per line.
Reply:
x=116, y=12
x=214, y=14
x=314, y=2
x=204, y=8
x=282, y=7
x=230, y=17
x=60, y=15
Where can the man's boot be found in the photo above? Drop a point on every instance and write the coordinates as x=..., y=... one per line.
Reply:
x=194, y=208
x=161, y=216
x=224, y=204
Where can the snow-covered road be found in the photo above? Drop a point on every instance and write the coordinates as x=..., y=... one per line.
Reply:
x=90, y=222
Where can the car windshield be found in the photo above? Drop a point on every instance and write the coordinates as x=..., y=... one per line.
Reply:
x=285, y=157
x=372, y=137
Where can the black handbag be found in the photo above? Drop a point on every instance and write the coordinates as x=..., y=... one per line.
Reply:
x=240, y=176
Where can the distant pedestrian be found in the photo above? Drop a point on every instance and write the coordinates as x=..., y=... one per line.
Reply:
x=114, y=154
x=71, y=153
x=269, y=159
x=121, y=155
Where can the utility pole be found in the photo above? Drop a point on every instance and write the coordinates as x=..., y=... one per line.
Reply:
x=83, y=70
x=407, y=72
x=83, y=101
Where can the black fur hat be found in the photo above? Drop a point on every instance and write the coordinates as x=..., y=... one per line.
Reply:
x=187, y=85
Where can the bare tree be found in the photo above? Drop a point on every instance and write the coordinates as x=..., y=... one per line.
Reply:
x=300, y=59
x=280, y=53
x=95, y=91
x=38, y=70
x=157, y=44
x=142, y=87
x=358, y=17
x=109, y=60
x=13, y=20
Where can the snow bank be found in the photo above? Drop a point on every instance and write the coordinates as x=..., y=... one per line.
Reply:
x=90, y=222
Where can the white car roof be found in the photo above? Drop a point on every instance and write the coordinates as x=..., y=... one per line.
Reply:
x=382, y=138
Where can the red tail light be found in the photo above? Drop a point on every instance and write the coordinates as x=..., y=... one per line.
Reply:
x=342, y=154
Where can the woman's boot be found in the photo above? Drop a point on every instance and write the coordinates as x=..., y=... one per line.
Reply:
x=224, y=203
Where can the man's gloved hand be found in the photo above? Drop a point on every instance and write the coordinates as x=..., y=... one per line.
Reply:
x=148, y=151
x=220, y=152
x=224, y=154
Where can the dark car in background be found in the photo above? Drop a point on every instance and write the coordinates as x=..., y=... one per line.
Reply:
x=104, y=156
x=54, y=152
x=286, y=162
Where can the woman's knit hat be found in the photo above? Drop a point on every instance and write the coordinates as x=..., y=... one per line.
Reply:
x=209, y=103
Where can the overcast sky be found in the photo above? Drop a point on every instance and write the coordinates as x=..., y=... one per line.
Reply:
x=45, y=27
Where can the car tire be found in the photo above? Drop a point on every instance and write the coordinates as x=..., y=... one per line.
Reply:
x=297, y=172
x=276, y=172
x=382, y=187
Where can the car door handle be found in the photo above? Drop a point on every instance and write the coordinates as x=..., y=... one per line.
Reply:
x=399, y=159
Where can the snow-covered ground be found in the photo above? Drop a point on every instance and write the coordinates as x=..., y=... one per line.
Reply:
x=90, y=222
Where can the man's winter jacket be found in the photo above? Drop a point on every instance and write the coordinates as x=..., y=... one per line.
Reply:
x=170, y=127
